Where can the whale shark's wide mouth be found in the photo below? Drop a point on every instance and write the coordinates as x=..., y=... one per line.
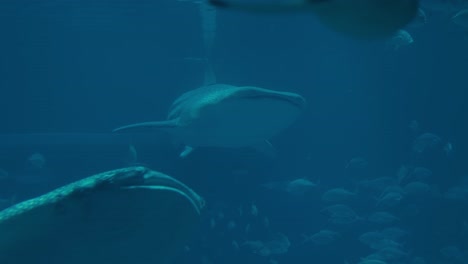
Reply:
x=298, y=102
x=261, y=94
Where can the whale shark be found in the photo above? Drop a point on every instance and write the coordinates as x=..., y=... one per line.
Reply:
x=365, y=19
x=128, y=215
x=228, y=116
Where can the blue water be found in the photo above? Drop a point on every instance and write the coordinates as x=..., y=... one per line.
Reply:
x=75, y=70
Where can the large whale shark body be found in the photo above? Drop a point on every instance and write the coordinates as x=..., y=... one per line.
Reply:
x=222, y=115
x=356, y=18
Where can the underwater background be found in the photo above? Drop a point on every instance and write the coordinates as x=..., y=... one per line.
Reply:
x=71, y=71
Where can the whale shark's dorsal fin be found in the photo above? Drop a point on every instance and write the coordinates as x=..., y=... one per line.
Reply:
x=167, y=124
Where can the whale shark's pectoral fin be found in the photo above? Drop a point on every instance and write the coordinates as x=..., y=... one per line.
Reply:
x=266, y=148
x=169, y=124
x=187, y=150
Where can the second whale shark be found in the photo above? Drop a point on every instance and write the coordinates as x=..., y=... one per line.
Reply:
x=229, y=116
